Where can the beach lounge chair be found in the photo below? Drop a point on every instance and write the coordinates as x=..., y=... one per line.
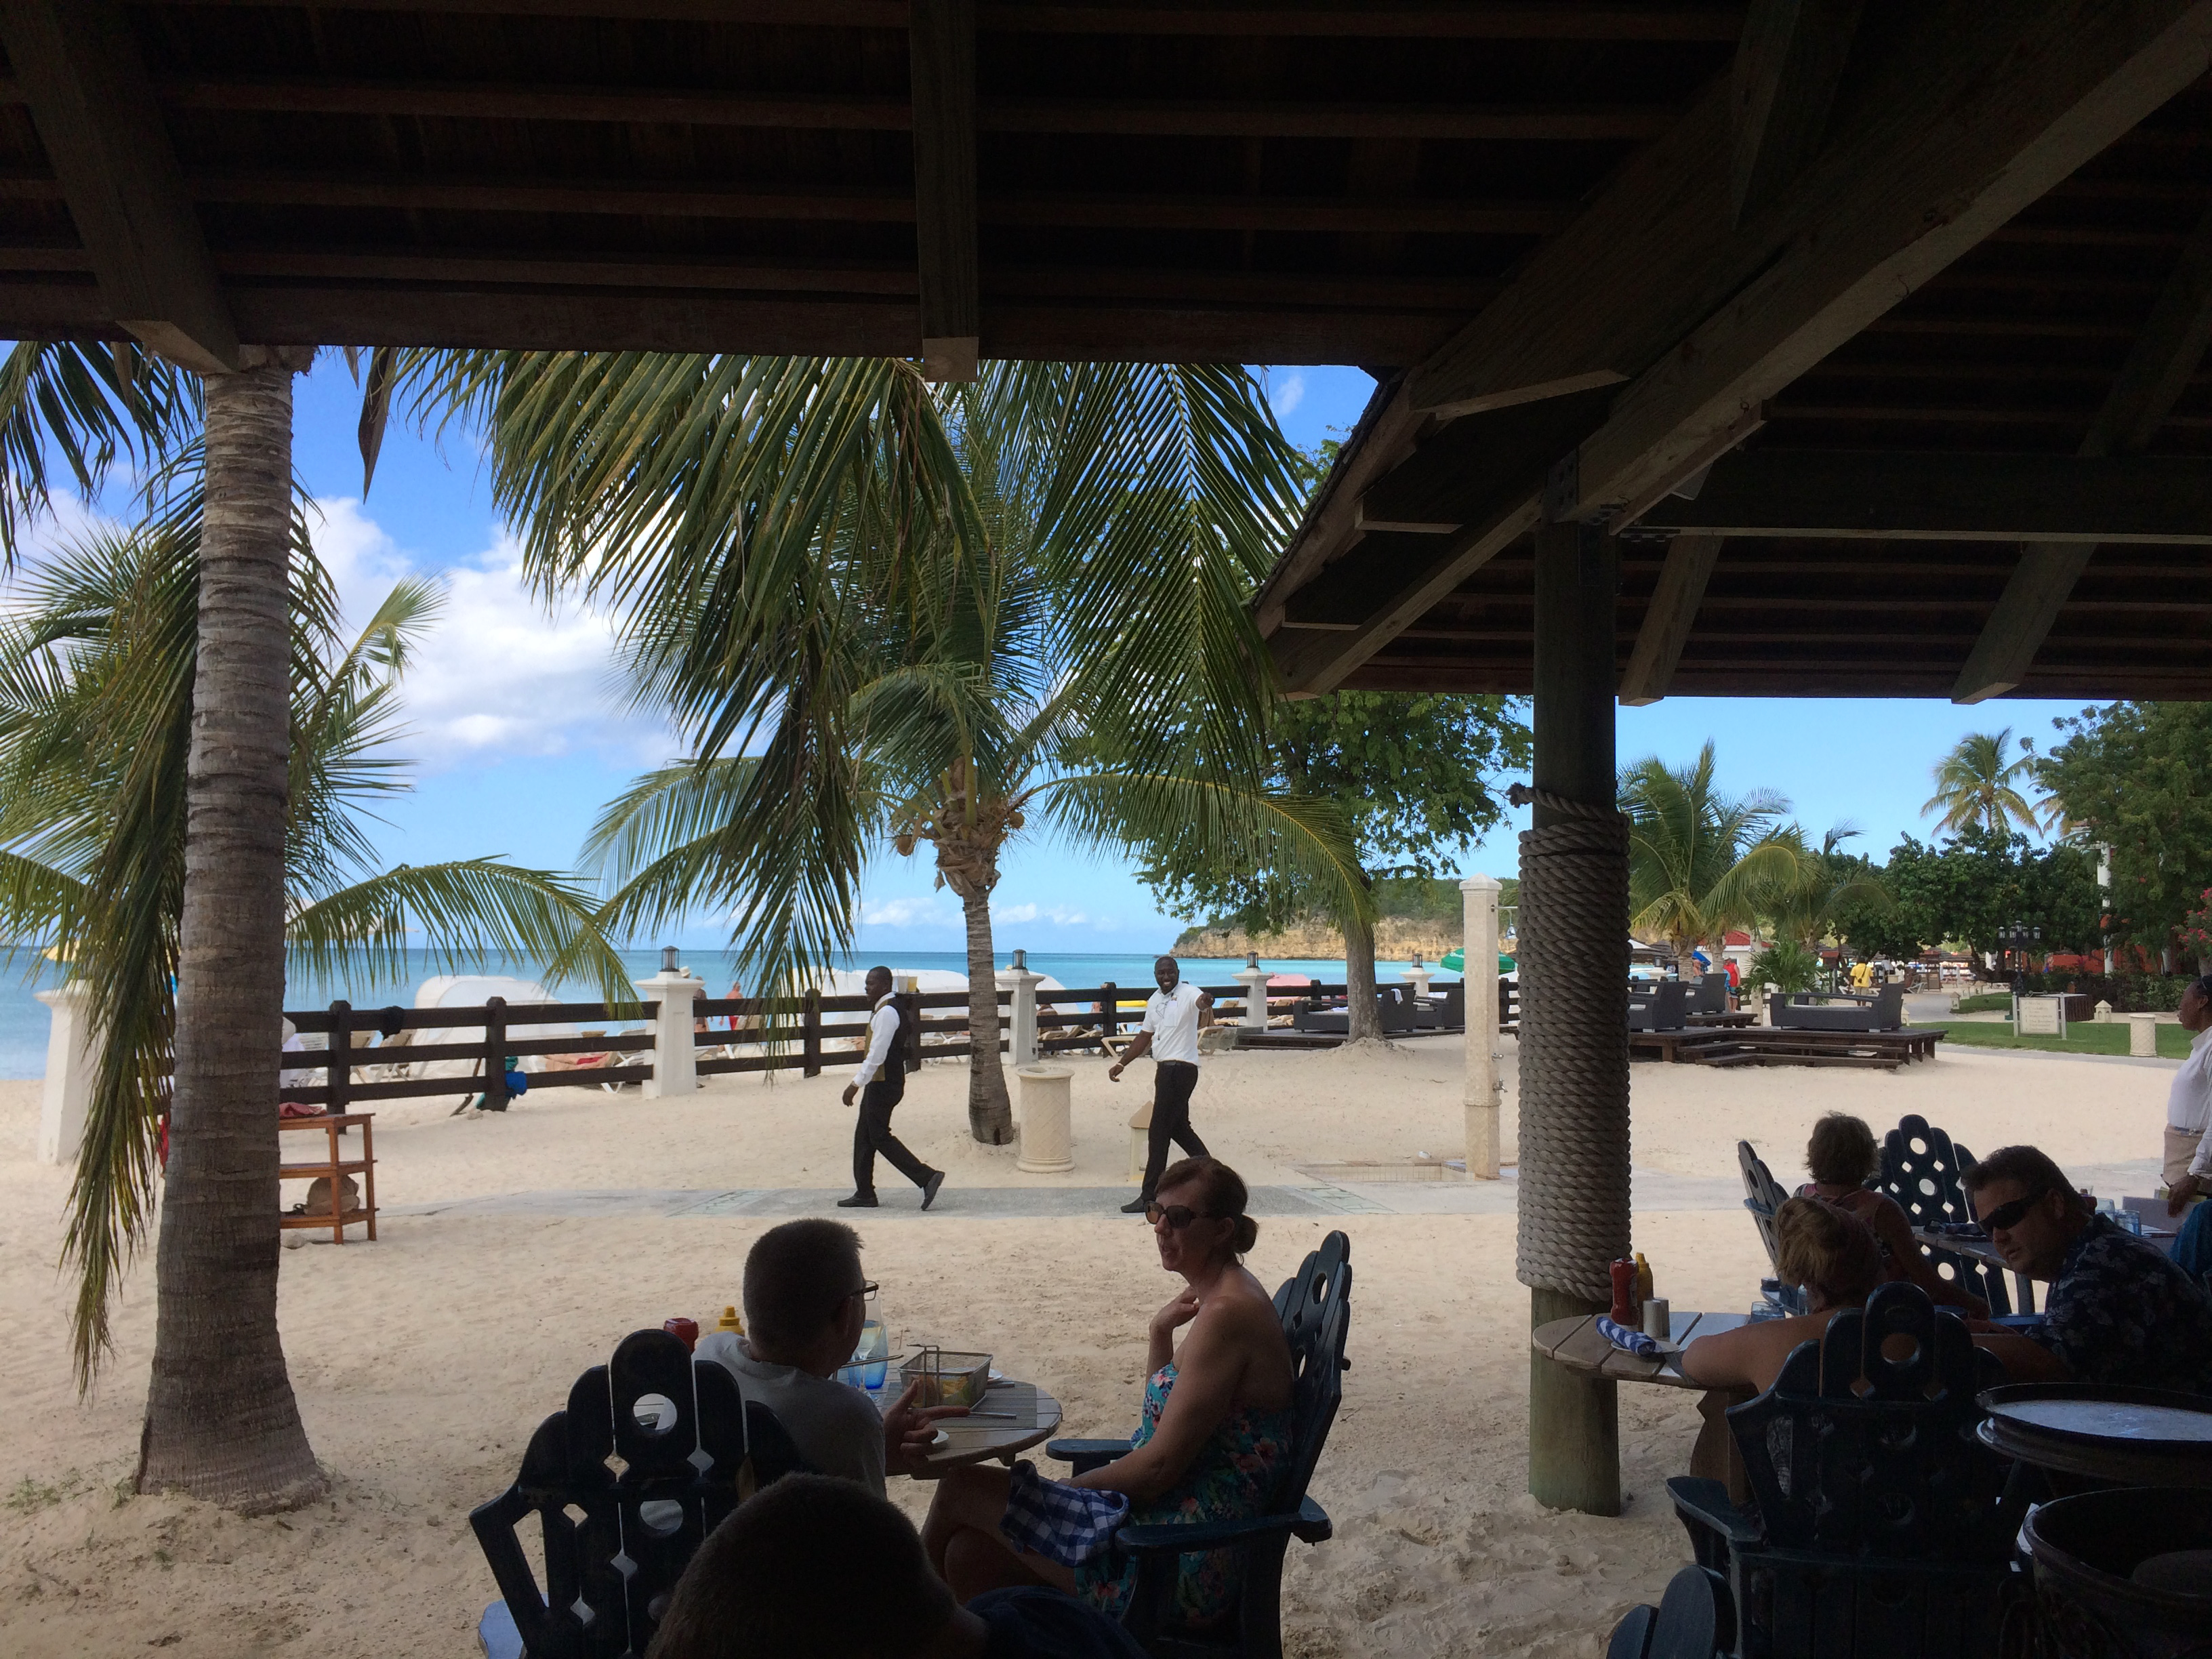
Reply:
x=1882, y=1012
x=1394, y=1003
x=1708, y=996
x=1657, y=1004
x=1884, y=1528
x=1445, y=1009
x=1315, y=1305
x=614, y=1544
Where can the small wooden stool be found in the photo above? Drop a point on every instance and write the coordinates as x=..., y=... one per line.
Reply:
x=1140, y=1136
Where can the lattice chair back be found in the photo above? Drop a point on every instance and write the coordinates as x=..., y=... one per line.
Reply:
x=1855, y=1452
x=1920, y=1170
x=1316, y=1309
x=652, y=1451
x=1762, y=1194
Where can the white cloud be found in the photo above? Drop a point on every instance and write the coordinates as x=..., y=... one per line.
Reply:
x=1015, y=912
x=1288, y=395
x=929, y=912
x=502, y=670
x=1014, y=915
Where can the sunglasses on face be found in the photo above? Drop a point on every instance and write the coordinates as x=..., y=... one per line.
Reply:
x=2008, y=1215
x=1177, y=1216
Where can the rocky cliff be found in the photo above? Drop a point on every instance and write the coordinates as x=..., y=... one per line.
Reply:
x=1395, y=939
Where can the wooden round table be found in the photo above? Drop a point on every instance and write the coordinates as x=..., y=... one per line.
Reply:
x=1578, y=1344
x=1029, y=1416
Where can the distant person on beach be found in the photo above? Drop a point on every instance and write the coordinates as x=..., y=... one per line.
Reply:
x=1169, y=1034
x=805, y=1301
x=880, y=1086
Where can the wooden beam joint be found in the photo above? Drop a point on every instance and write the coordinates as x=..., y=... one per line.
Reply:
x=941, y=36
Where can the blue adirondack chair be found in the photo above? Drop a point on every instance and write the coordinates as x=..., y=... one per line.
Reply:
x=1884, y=1528
x=1314, y=1306
x=692, y=1449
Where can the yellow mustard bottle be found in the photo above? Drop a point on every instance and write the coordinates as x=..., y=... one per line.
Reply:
x=730, y=1321
x=1642, y=1279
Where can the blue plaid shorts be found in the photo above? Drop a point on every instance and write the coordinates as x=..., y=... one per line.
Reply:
x=1065, y=1523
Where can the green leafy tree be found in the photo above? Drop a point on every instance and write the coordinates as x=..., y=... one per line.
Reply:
x=1978, y=785
x=1973, y=888
x=1700, y=862
x=1418, y=776
x=2137, y=777
x=95, y=721
x=882, y=613
x=1787, y=963
x=1829, y=884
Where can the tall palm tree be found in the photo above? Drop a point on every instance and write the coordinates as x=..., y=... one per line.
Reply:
x=101, y=670
x=1002, y=615
x=1803, y=908
x=1700, y=862
x=1977, y=785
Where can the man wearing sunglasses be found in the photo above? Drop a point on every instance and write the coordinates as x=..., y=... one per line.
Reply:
x=1169, y=1034
x=2119, y=1310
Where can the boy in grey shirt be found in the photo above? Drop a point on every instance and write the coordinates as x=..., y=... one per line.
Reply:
x=804, y=1303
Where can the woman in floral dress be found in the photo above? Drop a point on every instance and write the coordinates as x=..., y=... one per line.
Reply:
x=1215, y=1429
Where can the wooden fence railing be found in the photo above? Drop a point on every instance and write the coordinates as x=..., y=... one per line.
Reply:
x=728, y=1035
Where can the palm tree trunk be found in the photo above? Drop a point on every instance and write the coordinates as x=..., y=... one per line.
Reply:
x=221, y=1420
x=990, y=1113
x=1366, y=1017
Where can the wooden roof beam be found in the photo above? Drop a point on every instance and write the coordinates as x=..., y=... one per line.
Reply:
x=1666, y=624
x=941, y=37
x=1878, y=494
x=1966, y=115
x=2151, y=382
x=1788, y=67
x=96, y=117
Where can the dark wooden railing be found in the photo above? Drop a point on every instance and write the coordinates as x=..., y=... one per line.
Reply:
x=341, y=1091
x=774, y=1033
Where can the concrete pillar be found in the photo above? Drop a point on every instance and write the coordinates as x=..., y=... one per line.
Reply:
x=1418, y=975
x=1048, y=1133
x=1574, y=1160
x=1479, y=978
x=71, y=1058
x=1254, y=978
x=674, y=1054
x=1022, y=1039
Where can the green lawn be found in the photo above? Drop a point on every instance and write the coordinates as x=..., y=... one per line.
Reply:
x=2081, y=1039
x=1989, y=1002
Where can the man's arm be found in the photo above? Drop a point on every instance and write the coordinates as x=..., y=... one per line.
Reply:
x=1205, y=1008
x=1140, y=1046
x=881, y=1032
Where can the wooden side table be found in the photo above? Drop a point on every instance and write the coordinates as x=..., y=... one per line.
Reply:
x=334, y=1167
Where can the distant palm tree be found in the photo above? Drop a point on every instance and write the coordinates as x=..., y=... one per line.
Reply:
x=1700, y=862
x=98, y=700
x=1802, y=911
x=960, y=630
x=1977, y=786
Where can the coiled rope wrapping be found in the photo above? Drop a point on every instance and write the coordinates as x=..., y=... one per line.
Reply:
x=1574, y=1047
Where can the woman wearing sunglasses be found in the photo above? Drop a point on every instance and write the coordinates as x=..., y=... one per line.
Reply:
x=1214, y=1430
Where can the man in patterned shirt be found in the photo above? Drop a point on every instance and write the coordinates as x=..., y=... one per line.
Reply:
x=2119, y=1310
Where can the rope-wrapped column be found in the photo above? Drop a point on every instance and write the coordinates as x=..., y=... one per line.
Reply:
x=1574, y=1017
x=1574, y=1047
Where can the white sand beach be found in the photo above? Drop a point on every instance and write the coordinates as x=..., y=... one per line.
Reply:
x=423, y=1362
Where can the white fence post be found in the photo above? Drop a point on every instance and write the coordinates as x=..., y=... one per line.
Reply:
x=70, y=1061
x=1254, y=978
x=675, y=1049
x=1479, y=974
x=1021, y=1041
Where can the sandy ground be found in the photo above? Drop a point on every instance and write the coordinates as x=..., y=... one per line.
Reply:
x=421, y=1364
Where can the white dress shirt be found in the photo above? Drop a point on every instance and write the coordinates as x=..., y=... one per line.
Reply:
x=1172, y=1018
x=883, y=1031
x=2189, y=1106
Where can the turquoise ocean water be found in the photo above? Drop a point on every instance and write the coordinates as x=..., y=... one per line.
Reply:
x=24, y=1020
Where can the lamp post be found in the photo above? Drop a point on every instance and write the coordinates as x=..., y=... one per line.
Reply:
x=2015, y=938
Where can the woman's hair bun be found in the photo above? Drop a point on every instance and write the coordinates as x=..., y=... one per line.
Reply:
x=1246, y=1235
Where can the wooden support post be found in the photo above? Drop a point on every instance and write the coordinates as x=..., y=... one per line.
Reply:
x=1479, y=989
x=495, y=1092
x=1667, y=624
x=338, y=1074
x=909, y=1004
x=810, y=1034
x=1109, y=995
x=941, y=44
x=1574, y=1433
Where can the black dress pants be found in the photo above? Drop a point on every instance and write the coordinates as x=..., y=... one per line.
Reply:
x=872, y=1134
x=1172, y=1083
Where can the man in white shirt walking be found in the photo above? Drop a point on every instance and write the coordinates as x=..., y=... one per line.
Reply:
x=2188, y=1163
x=880, y=1086
x=1169, y=1034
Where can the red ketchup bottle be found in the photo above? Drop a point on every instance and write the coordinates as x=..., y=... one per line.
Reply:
x=1624, y=1293
x=685, y=1331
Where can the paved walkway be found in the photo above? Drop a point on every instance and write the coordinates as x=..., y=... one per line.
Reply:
x=1652, y=1192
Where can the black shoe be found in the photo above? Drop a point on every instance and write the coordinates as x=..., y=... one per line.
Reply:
x=1138, y=1204
x=929, y=1188
x=858, y=1201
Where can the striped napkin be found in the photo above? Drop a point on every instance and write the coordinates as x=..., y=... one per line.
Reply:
x=1621, y=1336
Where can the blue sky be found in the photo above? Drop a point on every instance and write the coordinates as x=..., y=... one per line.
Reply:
x=521, y=734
